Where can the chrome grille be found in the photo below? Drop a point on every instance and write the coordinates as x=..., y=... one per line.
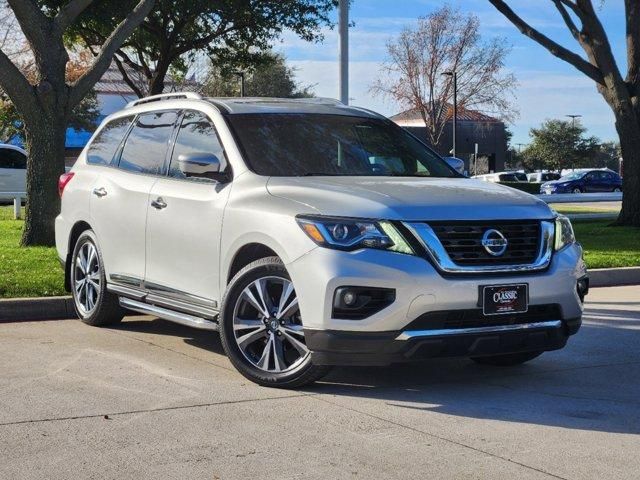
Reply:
x=463, y=242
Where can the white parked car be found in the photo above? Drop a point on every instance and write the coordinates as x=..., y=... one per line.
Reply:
x=310, y=234
x=502, y=177
x=13, y=169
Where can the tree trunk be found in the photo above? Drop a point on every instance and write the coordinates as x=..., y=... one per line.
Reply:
x=45, y=142
x=629, y=132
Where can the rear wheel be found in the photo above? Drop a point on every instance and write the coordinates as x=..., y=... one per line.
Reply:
x=576, y=190
x=261, y=327
x=93, y=304
x=617, y=189
x=507, y=360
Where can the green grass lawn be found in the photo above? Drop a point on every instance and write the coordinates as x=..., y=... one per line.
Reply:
x=606, y=246
x=568, y=209
x=26, y=272
x=36, y=272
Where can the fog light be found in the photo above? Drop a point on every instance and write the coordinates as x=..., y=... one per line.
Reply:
x=349, y=298
x=356, y=303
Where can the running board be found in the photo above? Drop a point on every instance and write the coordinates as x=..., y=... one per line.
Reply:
x=172, y=316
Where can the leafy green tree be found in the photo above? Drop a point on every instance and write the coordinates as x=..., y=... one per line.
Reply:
x=178, y=32
x=558, y=144
x=270, y=78
x=609, y=156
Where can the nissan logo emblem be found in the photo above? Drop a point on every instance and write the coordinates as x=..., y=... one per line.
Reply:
x=494, y=242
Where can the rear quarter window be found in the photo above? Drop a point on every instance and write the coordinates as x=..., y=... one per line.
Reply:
x=102, y=150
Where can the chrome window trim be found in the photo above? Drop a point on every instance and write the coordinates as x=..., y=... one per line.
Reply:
x=431, y=243
x=411, y=334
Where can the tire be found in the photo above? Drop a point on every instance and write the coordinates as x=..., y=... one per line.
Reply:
x=507, y=360
x=576, y=190
x=268, y=351
x=94, y=305
x=617, y=189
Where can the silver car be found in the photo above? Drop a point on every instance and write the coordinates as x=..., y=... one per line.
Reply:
x=310, y=234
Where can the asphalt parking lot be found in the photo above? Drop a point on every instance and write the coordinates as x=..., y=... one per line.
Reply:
x=150, y=399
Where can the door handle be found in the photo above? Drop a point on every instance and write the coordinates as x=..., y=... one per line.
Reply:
x=99, y=192
x=158, y=203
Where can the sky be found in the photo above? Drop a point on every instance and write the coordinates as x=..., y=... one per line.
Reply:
x=547, y=87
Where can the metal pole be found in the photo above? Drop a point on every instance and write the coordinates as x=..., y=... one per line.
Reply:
x=241, y=83
x=455, y=111
x=344, y=51
x=17, y=207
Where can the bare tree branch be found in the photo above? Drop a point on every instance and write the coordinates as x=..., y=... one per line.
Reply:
x=14, y=83
x=560, y=5
x=82, y=86
x=33, y=22
x=554, y=48
x=70, y=12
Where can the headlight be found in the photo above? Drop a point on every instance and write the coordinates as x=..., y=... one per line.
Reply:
x=564, y=232
x=353, y=233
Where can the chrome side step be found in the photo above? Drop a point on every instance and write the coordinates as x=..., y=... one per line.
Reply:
x=172, y=316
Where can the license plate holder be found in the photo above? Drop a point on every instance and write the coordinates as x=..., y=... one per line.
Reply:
x=505, y=299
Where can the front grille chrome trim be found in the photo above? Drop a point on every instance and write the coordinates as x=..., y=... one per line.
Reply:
x=431, y=243
x=411, y=334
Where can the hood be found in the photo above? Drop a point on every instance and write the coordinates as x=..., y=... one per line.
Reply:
x=410, y=198
x=558, y=182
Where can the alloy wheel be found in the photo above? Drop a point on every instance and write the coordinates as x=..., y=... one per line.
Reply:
x=267, y=326
x=86, y=278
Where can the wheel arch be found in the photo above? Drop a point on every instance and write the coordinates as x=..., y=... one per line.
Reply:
x=246, y=254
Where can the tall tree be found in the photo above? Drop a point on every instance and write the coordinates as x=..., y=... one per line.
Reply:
x=178, y=31
x=272, y=77
x=46, y=103
x=621, y=90
x=558, y=144
x=446, y=41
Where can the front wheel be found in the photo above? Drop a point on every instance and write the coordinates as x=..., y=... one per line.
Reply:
x=617, y=190
x=576, y=190
x=507, y=360
x=261, y=327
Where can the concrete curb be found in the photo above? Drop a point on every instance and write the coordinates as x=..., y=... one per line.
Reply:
x=611, y=277
x=30, y=309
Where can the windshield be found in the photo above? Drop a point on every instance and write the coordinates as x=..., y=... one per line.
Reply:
x=318, y=144
x=573, y=176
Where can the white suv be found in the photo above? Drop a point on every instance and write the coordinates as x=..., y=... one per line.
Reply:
x=310, y=234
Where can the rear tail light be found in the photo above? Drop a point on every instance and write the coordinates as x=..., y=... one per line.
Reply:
x=63, y=181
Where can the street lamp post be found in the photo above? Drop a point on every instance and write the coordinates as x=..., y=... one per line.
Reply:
x=241, y=78
x=573, y=119
x=454, y=75
x=344, y=51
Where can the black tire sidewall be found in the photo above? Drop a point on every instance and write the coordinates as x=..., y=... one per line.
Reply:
x=271, y=266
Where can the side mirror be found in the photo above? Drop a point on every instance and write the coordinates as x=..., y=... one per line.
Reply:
x=199, y=165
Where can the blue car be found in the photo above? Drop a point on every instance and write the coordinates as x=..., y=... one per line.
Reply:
x=588, y=181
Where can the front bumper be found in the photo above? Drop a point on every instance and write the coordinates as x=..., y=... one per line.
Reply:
x=421, y=289
x=384, y=348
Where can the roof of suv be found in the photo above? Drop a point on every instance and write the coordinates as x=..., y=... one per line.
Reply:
x=239, y=105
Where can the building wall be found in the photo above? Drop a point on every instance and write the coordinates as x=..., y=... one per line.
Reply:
x=490, y=137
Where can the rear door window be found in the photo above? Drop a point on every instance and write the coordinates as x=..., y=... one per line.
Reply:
x=10, y=158
x=103, y=149
x=145, y=149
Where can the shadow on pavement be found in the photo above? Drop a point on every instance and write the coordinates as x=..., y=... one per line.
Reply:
x=592, y=384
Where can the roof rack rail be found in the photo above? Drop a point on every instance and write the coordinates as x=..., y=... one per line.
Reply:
x=165, y=96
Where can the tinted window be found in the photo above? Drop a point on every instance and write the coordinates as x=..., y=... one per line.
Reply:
x=317, y=144
x=12, y=159
x=104, y=147
x=196, y=135
x=145, y=149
